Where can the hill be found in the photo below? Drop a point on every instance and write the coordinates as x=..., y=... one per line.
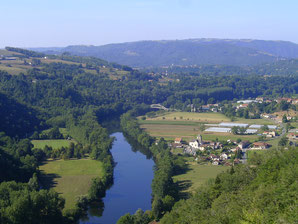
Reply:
x=187, y=52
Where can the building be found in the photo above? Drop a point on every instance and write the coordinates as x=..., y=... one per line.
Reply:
x=293, y=136
x=260, y=145
x=223, y=156
x=269, y=134
x=194, y=144
x=178, y=140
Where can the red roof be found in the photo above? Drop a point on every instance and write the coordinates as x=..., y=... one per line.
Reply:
x=260, y=144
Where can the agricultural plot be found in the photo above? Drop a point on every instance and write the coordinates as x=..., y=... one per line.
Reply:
x=70, y=178
x=188, y=125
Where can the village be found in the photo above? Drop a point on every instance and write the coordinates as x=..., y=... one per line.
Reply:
x=228, y=153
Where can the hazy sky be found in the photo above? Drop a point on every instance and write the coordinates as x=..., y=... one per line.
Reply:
x=44, y=23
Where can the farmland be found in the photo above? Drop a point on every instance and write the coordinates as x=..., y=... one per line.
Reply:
x=70, y=178
x=188, y=125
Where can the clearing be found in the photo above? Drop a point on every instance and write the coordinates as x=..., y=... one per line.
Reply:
x=54, y=143
x=70, y=178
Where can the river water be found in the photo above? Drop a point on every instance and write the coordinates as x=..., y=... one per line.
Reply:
x=131, y=190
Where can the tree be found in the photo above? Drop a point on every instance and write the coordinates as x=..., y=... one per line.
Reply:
x=54, y=133
x=284, y=119
x=283, y=141
x=33, y=183
x=235, y=130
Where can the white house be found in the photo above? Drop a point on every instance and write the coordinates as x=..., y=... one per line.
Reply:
x=223, y=156
x=194, y=144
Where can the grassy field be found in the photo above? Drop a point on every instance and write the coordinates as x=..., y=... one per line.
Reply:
x=12, y=70
x=196, y=175
x=251, y=152
x=55, y=144
x=205, y=118
x=197, y=117
x=70, y=178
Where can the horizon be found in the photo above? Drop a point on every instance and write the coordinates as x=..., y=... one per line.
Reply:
x=90, y=45
x=33, y=24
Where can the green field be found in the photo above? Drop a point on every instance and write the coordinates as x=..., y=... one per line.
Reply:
x=196, y=175
x=55, y=143
x=70, y=178
x=187, y=116
x=249, y=153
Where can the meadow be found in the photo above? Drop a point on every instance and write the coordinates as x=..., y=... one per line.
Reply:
x=196, y=175
x=249, y=153
x=70, y=178
x=54, y=143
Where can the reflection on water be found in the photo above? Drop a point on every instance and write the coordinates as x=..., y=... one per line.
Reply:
x=133, y=175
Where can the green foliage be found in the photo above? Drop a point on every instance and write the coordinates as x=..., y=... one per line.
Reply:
x=263, y=191
x=20, y=204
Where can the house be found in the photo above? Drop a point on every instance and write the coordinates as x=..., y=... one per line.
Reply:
x=223, y=156
x=194, y=144
x=293, y=136
x=245, y=105
x=260, y=145
x=205, y=108
x=178, y=140
x=260, y=99
x=269, y=134
x=214, y=157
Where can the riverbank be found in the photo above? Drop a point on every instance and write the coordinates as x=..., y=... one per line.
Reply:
x=133, y=174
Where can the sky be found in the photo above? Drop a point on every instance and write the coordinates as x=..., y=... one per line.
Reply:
x=58, y=23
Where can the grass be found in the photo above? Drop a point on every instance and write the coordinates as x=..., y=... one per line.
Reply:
x=197, y=117
x=12, y=70
x=70, y=178
x=249, y=153
x=196, y=175
x=55, y=144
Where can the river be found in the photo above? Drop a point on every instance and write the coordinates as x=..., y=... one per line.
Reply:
x=131, y=190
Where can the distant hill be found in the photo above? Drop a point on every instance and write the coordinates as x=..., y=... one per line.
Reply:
x=187, y=52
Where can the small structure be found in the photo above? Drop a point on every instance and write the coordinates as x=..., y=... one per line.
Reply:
x=178, y=140
x=293, y=136
x=269, y=134
x=260, y=145
x=194, y=144
x=223, y=156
